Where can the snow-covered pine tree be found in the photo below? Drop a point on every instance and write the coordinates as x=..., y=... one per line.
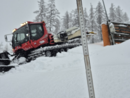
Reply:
x=125, y=18
x=41, y=13
x=112, y=14
x=86, y=18
x=66, y=20
x=57, y=27
x=92, y=23
x=119, y=14
x=70, y=20
x=75, y=18
x=52, y=16
x=100, y=18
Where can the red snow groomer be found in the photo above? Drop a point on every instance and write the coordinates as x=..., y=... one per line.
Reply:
x=30, y=41
x=30, y=36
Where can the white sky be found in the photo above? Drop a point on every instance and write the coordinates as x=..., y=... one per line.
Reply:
x=15, y=12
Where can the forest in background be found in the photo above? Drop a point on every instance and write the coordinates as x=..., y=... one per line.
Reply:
x=93, y=18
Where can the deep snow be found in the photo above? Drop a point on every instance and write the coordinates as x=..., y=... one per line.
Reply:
x=64, y=76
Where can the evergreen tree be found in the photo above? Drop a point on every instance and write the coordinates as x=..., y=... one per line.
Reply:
x=70, y=20
x=112, y=13
x=86, y=18
x=41, y=13
x=66, y=20
x=57, y=27
x=75, y=18
x=119, y=14
x=100, y=14
x=100, y=17
x=125, y=18
x=52, y=16
x=92, y=22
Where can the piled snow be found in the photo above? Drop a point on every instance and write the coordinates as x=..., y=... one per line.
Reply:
x=64, y=76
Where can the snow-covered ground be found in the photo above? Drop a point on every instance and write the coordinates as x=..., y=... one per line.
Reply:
x=64, y=76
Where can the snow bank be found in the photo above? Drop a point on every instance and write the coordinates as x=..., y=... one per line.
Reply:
x=118, y=54
x=64, y=76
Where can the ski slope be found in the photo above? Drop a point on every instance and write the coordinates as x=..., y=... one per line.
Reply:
x=64, y=76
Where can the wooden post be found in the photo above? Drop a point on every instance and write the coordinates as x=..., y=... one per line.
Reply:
x=105, y=35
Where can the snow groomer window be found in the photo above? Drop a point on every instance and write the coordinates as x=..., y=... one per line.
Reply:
x=36, y=31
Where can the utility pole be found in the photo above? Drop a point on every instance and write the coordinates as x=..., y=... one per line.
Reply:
x=111, y=37
x=85, y=51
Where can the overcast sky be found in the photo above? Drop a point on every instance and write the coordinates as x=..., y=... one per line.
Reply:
x=15, y=12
